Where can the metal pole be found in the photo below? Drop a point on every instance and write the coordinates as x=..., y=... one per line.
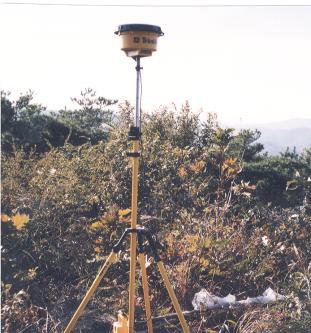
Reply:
x=137, y=115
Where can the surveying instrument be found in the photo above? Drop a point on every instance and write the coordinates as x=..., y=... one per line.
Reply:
x=138, y=40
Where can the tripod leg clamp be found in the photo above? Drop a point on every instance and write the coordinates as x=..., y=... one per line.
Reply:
x=118, y=247
x=134, y=133
x=133, y=154
x=141, y=233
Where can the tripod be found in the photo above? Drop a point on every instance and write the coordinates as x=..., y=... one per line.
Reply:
x=138, y=236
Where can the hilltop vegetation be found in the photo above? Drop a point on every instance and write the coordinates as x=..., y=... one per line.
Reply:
x=230, y=218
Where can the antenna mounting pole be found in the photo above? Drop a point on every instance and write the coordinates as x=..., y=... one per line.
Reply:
x=137, y=119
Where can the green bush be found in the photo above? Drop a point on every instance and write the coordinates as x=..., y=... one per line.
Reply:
x=230, y=220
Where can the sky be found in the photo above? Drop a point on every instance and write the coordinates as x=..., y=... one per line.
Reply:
x=247, y=64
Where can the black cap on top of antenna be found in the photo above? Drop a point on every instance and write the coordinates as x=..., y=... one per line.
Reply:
x=139, y=27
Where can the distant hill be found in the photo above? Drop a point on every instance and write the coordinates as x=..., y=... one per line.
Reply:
x=277, y=136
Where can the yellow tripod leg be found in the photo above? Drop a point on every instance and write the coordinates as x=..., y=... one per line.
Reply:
x=133, y=236
x=132, y=285
x=146, y=291
x=173, y=297
x=90, y=292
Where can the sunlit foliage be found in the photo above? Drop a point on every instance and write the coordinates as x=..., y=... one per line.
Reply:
x=229, y=218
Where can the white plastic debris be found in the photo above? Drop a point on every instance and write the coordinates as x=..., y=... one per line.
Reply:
x=227, y=300
x=269, y=296
x=204, y=300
